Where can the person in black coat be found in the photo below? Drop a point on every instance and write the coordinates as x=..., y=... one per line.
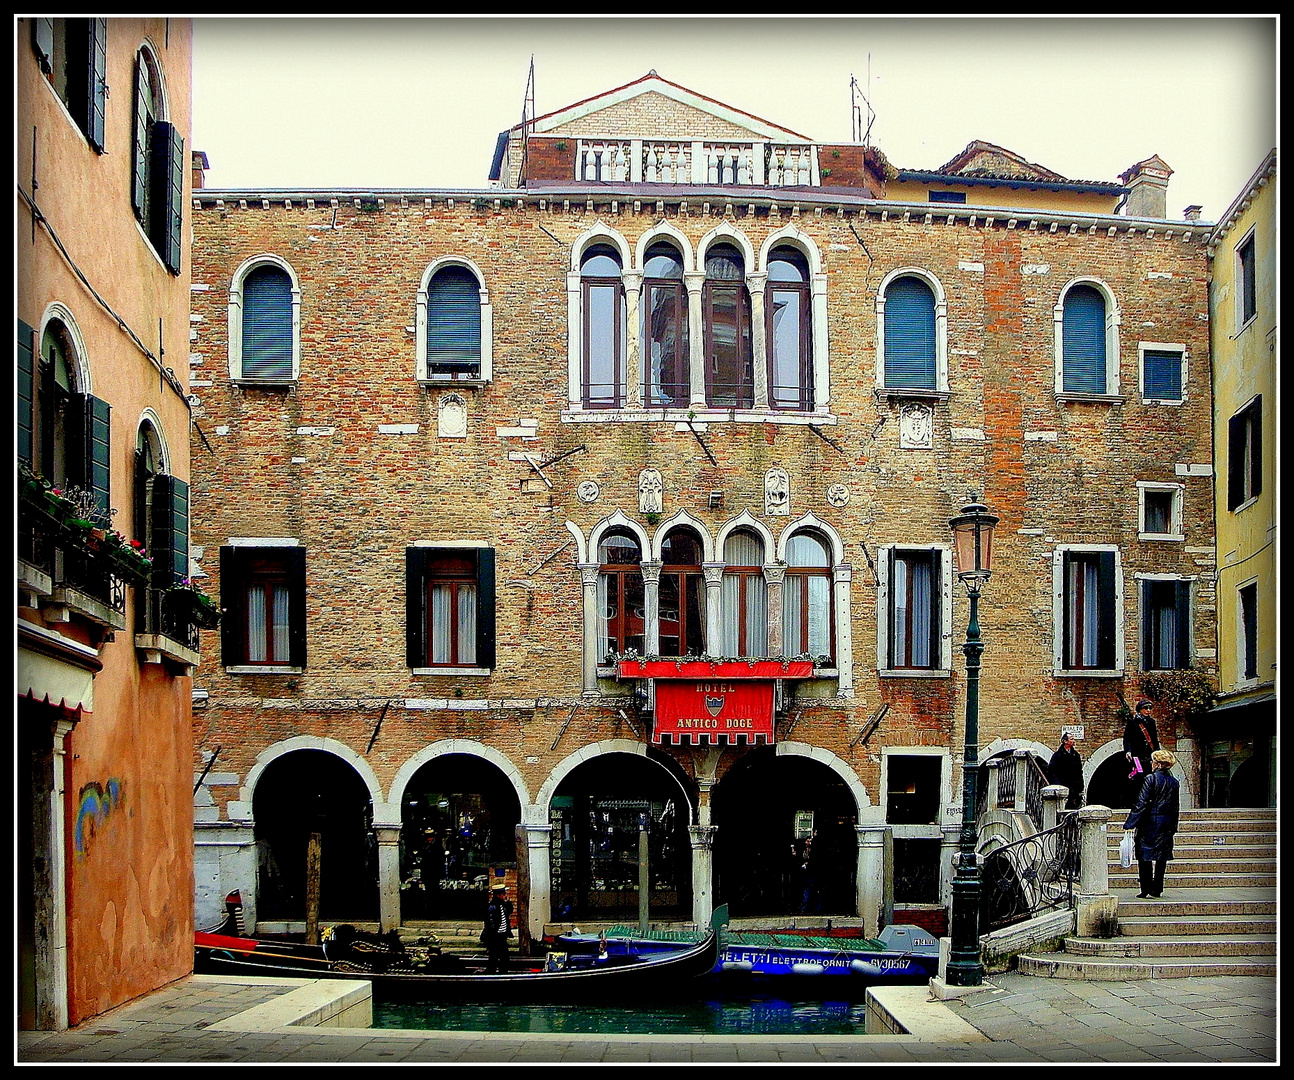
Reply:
x=1140, y=740
x=1066, y=769
x=497, y=930
x=1154, y=817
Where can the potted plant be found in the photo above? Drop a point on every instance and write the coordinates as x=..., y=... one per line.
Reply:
x=194, y=604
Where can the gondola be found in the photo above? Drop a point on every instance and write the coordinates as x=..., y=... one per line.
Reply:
x=398, y=972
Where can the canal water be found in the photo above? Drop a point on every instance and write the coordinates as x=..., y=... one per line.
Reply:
x=704, y=1014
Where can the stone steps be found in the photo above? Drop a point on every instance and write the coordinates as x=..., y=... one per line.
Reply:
x=1065, y=966
x=1148, y=946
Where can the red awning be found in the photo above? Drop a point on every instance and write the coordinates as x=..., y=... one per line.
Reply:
x=692, y=670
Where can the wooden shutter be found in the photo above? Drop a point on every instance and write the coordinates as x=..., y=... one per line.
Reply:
x=890, y=606
x=294, y=559
x=910, y=334
x=1106, y=621
x=170, y=527
x=97, y=76
x=1183, y=657
x=42, y=43
x=267, y=325
x=1255, y=419
x=166, y=192
x=26, y=392
x=415, y=606
x=139, y=524
x=485, y=601
x=233, y=618
x=139, y=160
x=454, y=319
x=1235, y=461
x=98, y=452
x=1162, y=378
x=1083, y=342
x=936, y=610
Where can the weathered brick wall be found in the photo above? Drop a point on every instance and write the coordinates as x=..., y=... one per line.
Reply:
x=1056, y=473
x=659, y=116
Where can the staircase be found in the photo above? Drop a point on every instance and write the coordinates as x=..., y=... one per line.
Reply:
x=1217, y=915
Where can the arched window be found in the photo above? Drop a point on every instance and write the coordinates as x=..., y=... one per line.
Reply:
x=911, y=339
x=620, y=594
x=665, y=340
x=267, y=324
x=158, y=165
x=148, y=463
x=788, y=314
x=603, y=304
x=73, y=55
x=54, y=403
x=454, y=331
x=682, y=595
x=1084, y=366
x=744, y=596
x=806, y=597
x=729, y=356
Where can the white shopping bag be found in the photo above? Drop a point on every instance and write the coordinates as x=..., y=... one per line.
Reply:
x=1125, y=850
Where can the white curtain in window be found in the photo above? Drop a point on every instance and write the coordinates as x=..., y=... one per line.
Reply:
x=792, y=609
x=899, y=598
x=280, y=650
x=819, y=616
x=467, y=624
x=922, y=586
x=730, y=624
x=1084, y=612
x=604, y=616
x=1166, y=629
x=441, y=624
x=255, y=625
x=756, y=617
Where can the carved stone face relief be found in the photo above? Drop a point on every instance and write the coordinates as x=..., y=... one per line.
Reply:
x=777, y=493
x=837, y=495
x=651, y=489
x=451, y=417
x=916, y=426
x=587, y=491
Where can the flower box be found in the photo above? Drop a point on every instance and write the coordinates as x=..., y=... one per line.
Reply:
x=685, y=668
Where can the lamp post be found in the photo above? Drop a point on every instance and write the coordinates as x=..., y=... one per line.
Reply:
x=973, y=553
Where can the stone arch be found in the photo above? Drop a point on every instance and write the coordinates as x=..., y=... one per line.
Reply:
x=58, y=312
x=682, y=518
x=454, y=746
x=151, y=53
x=150, y=418
x=601, y=233
x=836, y=764
x=790, y=236
x=722, y=232
x=663, y=230
x=1113, y=321
x=581, y=546
x=811, y=522
x=311, y=742
x=617, y=520
x=746, y=520
x=584, y=754
x=235, y=328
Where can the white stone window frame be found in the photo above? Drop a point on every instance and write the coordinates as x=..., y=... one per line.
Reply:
x=919, y=832
x=599, y=233
x=1178, y=492
x=841, y=602
x=58, y=312
x=1058, y=615
x=1250, y=237
x=1144, y=347
x=940, y=391
x=943, y=670
x=149, y=53
x=1142, y=613
x=790, y=236
x=236, y=319
x=265, y=542
x=1242, y=651
x=453, y=545
x=1113, y=321
x=485, y=372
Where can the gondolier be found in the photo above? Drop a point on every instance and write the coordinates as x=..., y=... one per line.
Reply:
x=497, y=930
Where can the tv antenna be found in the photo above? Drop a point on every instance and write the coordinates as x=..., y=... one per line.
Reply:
x=857, y=102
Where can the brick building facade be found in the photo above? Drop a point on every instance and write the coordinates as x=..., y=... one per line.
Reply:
x=458, y=452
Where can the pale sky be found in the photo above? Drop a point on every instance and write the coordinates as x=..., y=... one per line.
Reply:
x=419, y=103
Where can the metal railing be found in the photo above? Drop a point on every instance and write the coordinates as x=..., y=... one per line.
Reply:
x=1027, y=877
x=162, y=612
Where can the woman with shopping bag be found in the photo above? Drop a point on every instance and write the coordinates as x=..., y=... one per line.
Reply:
x=1154, y=819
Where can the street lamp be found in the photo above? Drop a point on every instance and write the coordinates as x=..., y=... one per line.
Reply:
x=973, y=554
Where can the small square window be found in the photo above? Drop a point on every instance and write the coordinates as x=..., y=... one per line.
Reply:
x=1161, y=374
x=916, y=871
x=1161, y=512
x=912, y=795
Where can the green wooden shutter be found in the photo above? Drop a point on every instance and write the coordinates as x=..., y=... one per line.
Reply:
x=415, y=607
x=166, y=192
x=1255, y=414
x=233, y=618
x=139, y=160
x=42, y=43
x=98, y=456
x=97, y=91
x=170, y=546
x=295, y=564
x=936, y=610
x=26, y=391
x=1106, y=621
x=485, y=600
x=1183, y=658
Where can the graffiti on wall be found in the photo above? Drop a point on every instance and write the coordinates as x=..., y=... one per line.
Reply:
x=97, y=802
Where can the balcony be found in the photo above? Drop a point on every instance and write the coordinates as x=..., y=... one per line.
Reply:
x=168, y=625
x=697, y=162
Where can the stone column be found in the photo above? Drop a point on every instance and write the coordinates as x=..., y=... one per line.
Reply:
x=759, y=338
x=651, y=608
x=991, y=794
x=633, y=283
x=775, y=575
x=871, y=831
x=695, y=280
x=1021, y=777
x=589, y=669
x=713, y=606
x=388, y=876
x=538, y=849
x=574, y=342
x=821, y=374
x=1096, y=910
x=1053, y=802
x=841, y=576
x=702, y=837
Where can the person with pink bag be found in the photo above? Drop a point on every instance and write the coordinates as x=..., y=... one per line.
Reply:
x=1140, y=740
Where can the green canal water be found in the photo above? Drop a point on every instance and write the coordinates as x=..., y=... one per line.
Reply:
x=702, y=1015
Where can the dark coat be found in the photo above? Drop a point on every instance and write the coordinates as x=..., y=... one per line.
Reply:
x=497, y=926
x=1154, y=816
x=1066, y=769
x=1135, y=742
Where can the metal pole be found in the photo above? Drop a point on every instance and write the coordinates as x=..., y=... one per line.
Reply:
x=964, y=965
x=643, y=877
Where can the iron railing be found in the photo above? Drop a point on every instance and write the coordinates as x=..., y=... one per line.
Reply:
x=1027, y=877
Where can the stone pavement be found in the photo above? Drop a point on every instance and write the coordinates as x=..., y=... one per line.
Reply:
x=1019, y=1019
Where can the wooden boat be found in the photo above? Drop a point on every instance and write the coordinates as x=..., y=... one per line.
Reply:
x=559, y=976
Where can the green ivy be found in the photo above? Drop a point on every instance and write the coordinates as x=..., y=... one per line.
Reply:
x=1185, y=692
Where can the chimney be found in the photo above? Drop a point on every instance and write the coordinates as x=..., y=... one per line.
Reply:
x=1193, y=212
x=200, y=166
x=1147, y=183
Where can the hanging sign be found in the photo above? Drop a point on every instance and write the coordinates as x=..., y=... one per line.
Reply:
x=714, y=712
